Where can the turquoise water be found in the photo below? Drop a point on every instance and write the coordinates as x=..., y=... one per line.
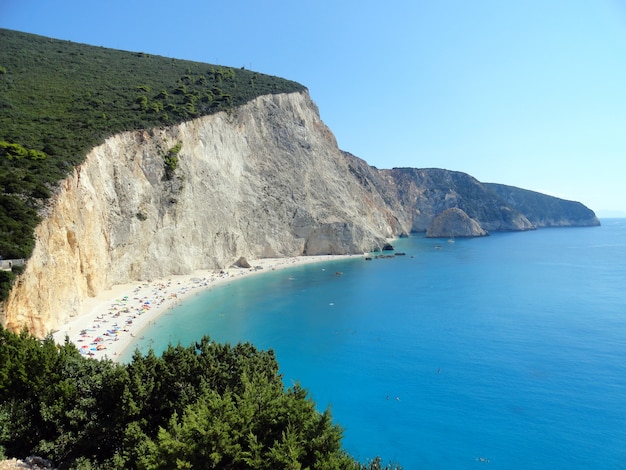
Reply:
x=507, y=351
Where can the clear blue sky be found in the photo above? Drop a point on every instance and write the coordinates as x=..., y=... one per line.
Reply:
x=528, y=93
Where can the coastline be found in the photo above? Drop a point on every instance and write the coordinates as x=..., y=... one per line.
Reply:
x=109, y=322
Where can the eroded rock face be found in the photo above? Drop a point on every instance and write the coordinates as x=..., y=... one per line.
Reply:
x=455, y=223
x=265, y=180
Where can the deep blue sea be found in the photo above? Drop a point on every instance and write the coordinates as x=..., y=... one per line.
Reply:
x=501, y=352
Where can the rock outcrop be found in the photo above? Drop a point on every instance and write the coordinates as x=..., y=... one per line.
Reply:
x=242, y=262
x=455, y=223
x=264, y=180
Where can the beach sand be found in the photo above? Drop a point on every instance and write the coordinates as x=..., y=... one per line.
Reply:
x=109, y=322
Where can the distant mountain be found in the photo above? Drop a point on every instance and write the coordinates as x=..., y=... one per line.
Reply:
x=545, y=211
x=418, y=195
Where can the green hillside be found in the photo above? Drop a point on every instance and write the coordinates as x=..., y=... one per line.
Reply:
x=58, y=99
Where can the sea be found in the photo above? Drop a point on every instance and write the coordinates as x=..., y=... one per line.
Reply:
x=505, y=352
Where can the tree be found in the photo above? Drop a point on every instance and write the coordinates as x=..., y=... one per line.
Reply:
x=208, y=405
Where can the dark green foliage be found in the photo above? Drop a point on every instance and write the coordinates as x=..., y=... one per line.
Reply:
x=171, y=160
x=18, y=219
x=206, y=406
x=6, y=280
x=58, y=99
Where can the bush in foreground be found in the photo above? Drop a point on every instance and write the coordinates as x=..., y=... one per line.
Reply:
x=205, y=406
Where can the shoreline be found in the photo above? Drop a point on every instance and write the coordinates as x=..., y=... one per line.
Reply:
x=108, y=323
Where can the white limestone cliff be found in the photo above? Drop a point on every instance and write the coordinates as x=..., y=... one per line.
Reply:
x=264, y=180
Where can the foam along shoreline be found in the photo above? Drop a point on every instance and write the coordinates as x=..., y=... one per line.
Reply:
x=109, y=322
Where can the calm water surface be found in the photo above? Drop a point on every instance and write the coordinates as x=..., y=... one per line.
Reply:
x=507, y=351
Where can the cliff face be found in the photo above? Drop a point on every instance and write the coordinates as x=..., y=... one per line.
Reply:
x=266, y=180
x=419, y=196
x=545, y=211
x=429, y=192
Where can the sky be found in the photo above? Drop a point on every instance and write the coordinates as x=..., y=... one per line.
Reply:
x=526, y=93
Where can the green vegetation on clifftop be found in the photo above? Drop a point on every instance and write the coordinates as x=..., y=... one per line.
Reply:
x=58, y=99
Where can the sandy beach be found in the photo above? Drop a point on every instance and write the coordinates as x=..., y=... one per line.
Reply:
x=109, y=322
